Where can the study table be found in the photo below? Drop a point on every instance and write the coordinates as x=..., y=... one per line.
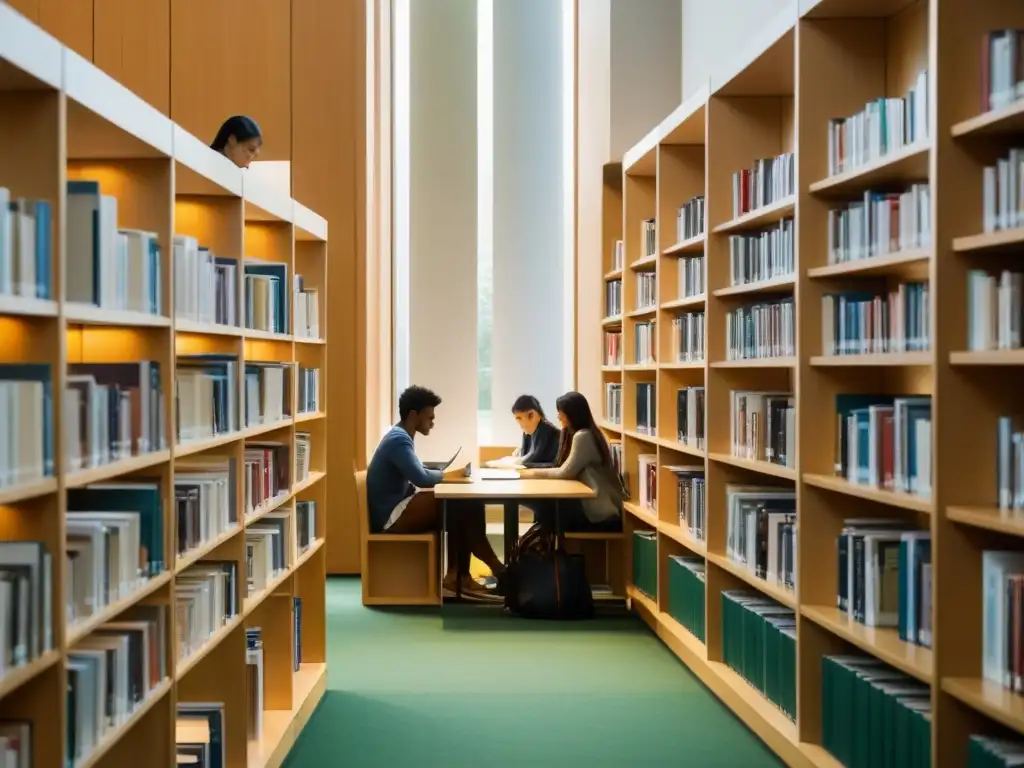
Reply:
x=510, y=494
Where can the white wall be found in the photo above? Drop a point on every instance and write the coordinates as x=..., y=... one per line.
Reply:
x=442, y=217
x=713, y=32
x=646, y=71
x=529, y=294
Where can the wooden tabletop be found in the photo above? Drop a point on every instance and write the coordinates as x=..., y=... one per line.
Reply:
x=513, y=489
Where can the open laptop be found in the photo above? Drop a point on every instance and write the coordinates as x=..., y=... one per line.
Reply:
x=441, y=466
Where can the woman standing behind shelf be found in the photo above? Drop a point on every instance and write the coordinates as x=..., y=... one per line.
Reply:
x=584, y=455
x=539, y=447
x=239, y=140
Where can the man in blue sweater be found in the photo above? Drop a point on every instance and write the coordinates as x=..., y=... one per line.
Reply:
x=400, y=500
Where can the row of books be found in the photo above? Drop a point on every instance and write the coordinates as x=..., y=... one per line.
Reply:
x=687, y=593
x=759, y=644
x=309, y=390
x=1002, y=201
x=764, y=255
x=762, y=426
x=613, y=348
x=613, y=402
x=618, y=255
x=108, y=267
x=995, y=310
x=1009, y=464
x=645, y=343
x=302, y=456
x=205, y=599
x=111, y=673
x=767, y=181
x=690, y=276
x=645, y=562
x=688, y=333
x=885, y=442
x=613, y=298
x=761, y=330
x=307, y=310
x=265, y=304
x=26, y=246
x=113, y=411
x=26, y=411
x=646, y=408
x=884, y=126
x=884, y=577
x=874, y=715
x=26, y=595
x=879, y=224
x=692, y=499
x=648, y=239
x=647, y=479
x=205, y=285
x=267, y=393
x=690, y=219
x=646, y=290
x=1002, y=611
x=1002, y=68
x=205, y=498
x=867, y=322
x=266, y=474
x=691, y=429
x=761, y=531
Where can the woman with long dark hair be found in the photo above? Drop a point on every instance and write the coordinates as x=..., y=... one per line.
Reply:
x=239, y=140
x=584, y=455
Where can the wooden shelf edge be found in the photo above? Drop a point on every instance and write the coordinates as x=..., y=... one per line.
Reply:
x=760, y=286
x=282, y=727
x=984, y=241
x=757, y=362
x=20, y=675
x=685, y=302
x=194, y=555
x=183, y=666
x=991, y=699
x=873, y=264
x=761, y=467
x=867, y=170
x=779, y=594
x=642, y=514
x=756, y=712
x=1008, y=521
x=114, y=736
x=766, y=214
x=988, y=357
x=869, y=493
x=82, y=477
x=988, y=120
x=82, y=628
x=675, y=532
x=882, y=643
x=693, y=244
x=891, y=359
x=26, y=491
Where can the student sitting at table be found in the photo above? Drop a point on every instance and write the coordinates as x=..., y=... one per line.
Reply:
x=540, y=437
x=400, y=499
x=584, y=455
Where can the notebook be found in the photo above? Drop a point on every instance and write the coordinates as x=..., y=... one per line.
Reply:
x=442, y=465
x=499, y=474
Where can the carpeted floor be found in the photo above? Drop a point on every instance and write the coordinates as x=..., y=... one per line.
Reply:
x=406, y=688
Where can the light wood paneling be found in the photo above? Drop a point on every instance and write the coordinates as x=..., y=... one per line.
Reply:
x=233, y=57
x=70, y=21
x=132, y=43
x=328, y=174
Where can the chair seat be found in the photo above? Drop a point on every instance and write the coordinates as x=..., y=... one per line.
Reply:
x=399, y=537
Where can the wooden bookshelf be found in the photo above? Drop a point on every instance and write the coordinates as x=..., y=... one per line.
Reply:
x=819, y=60
x=62, y=118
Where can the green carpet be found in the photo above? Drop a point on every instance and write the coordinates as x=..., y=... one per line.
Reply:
x=406, y=688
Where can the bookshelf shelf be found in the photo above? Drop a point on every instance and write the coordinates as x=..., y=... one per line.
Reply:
x=884, y=644
x=785, y=155
x=908, y=164
x=1006, y=239
x=155, y=401
x=898, y=264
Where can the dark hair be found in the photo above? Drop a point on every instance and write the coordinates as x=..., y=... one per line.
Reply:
x=526, y=403
x=241, y=127
x=416, y=399
x=576, y=410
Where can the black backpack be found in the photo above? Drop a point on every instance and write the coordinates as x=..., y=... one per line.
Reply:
x=543, y=581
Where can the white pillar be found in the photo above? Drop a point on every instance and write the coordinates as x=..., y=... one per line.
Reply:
x=529, y=254
x=436, y=258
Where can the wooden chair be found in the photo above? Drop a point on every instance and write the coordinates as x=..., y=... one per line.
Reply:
x=398, y=569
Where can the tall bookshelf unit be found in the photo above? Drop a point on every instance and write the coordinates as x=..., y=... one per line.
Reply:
x=818, y=61
x=62, y=119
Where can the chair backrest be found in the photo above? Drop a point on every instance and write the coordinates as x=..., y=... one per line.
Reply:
x=364, y=519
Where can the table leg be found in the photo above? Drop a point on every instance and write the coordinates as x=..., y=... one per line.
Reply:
x=511, y=527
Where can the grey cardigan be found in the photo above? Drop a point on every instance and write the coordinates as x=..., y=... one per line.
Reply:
x=584, y=464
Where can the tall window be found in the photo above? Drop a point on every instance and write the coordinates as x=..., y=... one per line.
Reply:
x=485, y=213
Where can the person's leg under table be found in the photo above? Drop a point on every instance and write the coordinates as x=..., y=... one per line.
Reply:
x=473, y=523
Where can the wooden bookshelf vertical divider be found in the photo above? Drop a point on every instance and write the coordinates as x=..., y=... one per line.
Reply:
x=61, y=118
x=835, y=56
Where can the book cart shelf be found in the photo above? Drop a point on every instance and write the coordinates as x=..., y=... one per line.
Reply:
x=819, y=61
x=61, y=118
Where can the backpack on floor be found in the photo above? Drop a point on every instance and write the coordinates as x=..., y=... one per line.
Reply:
x=543, y=581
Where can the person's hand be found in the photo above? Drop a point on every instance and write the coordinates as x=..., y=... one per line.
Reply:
x=455, y=474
